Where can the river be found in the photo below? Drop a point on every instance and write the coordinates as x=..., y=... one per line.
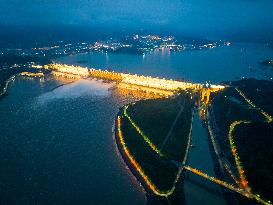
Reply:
x=57, y=145
x=198, y=190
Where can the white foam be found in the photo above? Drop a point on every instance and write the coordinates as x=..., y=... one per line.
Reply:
x=77, y=89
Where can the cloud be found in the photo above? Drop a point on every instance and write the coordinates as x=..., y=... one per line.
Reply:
x=182, y=15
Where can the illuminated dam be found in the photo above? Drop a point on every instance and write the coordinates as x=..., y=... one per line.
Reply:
x=164, y=87
x=161, y=86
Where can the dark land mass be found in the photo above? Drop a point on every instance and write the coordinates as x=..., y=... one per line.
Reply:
x=259, y=91
x=12, y=59
x=253, y=140
x=6, y=74
x=11, y=65
x=160, y=114
x=161, y=170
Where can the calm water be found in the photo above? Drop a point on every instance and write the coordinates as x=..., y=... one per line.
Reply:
x=57, y=146
x=199, y=190
x=222, y=63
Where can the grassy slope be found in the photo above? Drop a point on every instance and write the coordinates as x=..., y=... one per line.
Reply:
x=161, y=172
x=254, y=141
x=259, y=91
x=255, y=149
x=155, y=118
x=229, y=106
x=7, y=73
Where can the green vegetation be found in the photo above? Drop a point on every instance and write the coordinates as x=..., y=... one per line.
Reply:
x=259, y=91
x=161, y=172
x=155, y=117
x=255, y=142
x=229, y=106
x=5, y=74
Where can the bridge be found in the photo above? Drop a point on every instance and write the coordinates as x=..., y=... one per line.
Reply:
x=149, y=84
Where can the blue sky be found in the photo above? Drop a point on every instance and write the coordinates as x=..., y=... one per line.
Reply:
x=207, y=17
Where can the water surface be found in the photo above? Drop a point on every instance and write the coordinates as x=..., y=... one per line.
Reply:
x=57, y=145
x=56, y=142
x=215, y=65
x=197, y=189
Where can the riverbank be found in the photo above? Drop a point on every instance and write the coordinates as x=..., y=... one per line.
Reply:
x=245, y=106
x=8, y=75
x=147, y=157
x=200, y=190
x=150, y=196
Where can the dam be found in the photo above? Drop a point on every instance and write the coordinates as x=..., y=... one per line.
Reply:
x=155, y=85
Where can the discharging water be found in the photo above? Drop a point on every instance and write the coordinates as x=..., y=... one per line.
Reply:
x=57, y=145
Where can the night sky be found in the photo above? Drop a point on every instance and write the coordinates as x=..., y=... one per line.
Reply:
x=207, y=18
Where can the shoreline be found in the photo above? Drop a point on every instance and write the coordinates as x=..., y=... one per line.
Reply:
x=29, y=72
x=121, y=157
x=150, y=196
x=5, y=89
x=177, y=196
x=229, y=196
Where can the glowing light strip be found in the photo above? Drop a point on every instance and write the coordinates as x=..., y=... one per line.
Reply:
x=145, y=137
x=266, y=115
x=155, y=190
x=180, y=169
x=147, y=81
x=137, y=166
x=31, y=74
x=232, y=175
x=145, y=89
x=243, y=180
x=240, y=168
x=215, y=145
x=5, y=88
x=220, y=182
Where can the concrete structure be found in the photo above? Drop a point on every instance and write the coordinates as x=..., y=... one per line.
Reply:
x=166, y=87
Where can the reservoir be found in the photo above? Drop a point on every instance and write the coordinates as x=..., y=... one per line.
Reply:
x=214, y=65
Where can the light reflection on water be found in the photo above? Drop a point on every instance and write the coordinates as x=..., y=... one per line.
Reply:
x=59, y=150
x=215, y=65
x=65, y=152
